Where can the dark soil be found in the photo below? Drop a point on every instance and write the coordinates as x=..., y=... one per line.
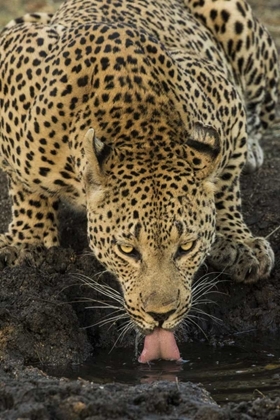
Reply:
x=41, y=315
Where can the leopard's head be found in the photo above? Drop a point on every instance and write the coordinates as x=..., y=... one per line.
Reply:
x=151, y=219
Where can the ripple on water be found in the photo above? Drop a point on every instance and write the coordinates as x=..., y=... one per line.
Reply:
x=231, y=373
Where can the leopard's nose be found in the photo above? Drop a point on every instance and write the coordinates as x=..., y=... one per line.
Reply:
x=161, y=317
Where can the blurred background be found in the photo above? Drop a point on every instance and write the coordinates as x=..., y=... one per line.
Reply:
x=15, y=8
x=267, y=10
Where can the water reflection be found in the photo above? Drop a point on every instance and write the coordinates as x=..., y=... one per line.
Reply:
x=160, y=371
x=236, y=372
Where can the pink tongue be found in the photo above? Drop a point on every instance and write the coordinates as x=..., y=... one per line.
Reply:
x=160, y=344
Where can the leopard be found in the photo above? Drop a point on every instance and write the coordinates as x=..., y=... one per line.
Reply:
x=144, y=114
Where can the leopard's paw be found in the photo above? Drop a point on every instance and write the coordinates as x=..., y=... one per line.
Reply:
x=8, y=256
x=254, y=156
x=11, y=255
x=246, y=261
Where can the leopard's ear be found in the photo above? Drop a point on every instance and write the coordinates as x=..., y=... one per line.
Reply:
x=204, y=150
x=95, y=152
x=93, y=144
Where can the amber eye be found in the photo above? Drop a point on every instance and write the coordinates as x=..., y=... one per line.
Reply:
x=185, y=248
x=130, y=251
x=126, y=249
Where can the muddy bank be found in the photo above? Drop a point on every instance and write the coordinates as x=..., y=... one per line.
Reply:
x=44, y=398
x=28, y=393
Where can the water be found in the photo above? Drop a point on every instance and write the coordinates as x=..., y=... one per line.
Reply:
x=231, y=373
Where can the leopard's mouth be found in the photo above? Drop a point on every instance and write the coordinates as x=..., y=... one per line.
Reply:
x=159, y=341
x=160, y=344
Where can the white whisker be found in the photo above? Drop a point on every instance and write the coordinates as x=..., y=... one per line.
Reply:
x=106, y=320
x=206, y=284
x=200, y=290
x=119, y=312
x=124, y=330
x=106, y=307
x=204, y=302
x=200, y=311
x=103, y=289
x=189, y=319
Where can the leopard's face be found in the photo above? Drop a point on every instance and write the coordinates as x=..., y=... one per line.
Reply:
x=152, y=226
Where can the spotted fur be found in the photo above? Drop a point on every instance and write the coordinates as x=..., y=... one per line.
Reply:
x=143, y=114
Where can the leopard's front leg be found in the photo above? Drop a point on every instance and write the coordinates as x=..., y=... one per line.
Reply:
x=236, y=251
x=33, y=225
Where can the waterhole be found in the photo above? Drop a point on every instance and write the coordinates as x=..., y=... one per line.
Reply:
x=232, y=371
